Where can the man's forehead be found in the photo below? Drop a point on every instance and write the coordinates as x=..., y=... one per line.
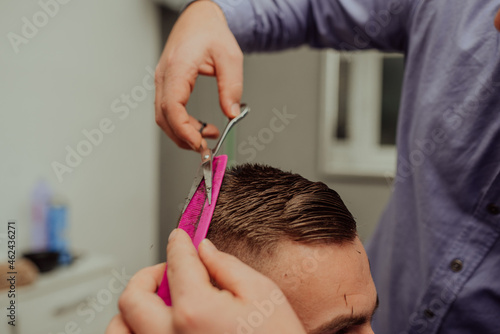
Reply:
x=340, y=261
x=319, y=279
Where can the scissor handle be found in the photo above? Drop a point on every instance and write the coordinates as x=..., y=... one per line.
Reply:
x=244, y=109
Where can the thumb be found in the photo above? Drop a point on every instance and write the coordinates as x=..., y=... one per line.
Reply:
x=231, y=274
x=229, y=73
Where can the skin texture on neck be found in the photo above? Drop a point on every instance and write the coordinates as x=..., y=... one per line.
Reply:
x=329, y=286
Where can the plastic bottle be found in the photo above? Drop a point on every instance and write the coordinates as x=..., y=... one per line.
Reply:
x=57, y=231
x=40, y=203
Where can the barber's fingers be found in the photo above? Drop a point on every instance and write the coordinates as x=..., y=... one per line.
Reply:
x=207, y=130
x=172, y=93
x=233, y=275
x=117, y=326
x=187, y=277
x=174, y=85
x=173, y=88
x=159, y=113
x=229, y=73
x=142, y=310
x=497, y=21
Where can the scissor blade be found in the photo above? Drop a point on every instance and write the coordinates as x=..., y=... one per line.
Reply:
x=196, y=182
x=244, y=111
x=207, y=174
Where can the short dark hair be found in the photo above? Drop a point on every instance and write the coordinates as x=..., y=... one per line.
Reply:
x=259, y=206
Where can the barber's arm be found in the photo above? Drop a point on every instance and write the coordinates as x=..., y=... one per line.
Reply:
x=208, y=35
x=263, y=25
x=199, y=307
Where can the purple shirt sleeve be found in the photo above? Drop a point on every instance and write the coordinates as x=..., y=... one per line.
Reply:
x=263, y=25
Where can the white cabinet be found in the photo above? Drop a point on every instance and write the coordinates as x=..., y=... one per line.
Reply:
x=77, y=299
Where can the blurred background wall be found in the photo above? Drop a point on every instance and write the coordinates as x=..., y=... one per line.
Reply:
x=64, y=81
x=66, y=67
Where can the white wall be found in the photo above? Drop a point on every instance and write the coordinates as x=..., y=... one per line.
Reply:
x=63, y=81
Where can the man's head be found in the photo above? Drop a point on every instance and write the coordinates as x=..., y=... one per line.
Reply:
x=300, y=234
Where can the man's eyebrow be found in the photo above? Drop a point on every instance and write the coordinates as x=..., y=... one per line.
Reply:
x=340, y=323
x=344, y=322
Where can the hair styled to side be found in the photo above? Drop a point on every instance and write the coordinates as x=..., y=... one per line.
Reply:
x=260, y=206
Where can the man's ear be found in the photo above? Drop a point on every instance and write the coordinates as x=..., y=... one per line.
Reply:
x=497, y=20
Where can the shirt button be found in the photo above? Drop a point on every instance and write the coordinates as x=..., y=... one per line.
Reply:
x=429, y=314
x=456, y=265
x=493, y=209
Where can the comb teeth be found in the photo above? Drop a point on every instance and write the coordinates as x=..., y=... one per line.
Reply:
x=195, y=220
x=191, y=216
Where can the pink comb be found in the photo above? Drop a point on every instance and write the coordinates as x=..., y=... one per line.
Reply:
x=197, y=216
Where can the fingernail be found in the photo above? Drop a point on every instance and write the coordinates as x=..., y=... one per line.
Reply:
x=235, y=109
x=172, y=235
x=208, y=245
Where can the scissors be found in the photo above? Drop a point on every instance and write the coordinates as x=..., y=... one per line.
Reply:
x=207, y=155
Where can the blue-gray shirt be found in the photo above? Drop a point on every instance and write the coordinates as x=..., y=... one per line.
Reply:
x=435, y=256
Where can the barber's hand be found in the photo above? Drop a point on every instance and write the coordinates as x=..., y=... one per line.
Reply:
x=200, y=43
x=247, y=302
